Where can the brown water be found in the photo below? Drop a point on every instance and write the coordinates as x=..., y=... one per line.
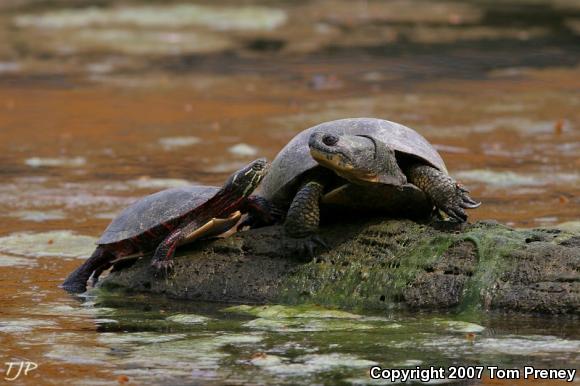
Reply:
x=89, y=122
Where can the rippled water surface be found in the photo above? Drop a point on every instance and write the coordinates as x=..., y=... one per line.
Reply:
x=102, y=105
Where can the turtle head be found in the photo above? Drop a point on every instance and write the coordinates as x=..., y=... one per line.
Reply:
x=246, y=180
x=357, y=158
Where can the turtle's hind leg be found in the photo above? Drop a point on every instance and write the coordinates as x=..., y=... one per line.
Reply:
x=445, y=193
x=76, y=282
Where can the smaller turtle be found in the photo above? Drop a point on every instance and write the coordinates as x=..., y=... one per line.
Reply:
x=165, y=220
x=359, y=164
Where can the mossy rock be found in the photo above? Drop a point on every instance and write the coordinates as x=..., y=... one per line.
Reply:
x=392, y=264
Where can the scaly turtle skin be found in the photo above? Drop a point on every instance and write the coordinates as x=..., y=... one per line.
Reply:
x=359, y=163
x=162, y=221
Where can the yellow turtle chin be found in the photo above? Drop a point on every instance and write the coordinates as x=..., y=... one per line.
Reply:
x=346, y=170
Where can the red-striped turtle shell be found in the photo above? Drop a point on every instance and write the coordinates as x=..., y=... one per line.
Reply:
x=155, y=209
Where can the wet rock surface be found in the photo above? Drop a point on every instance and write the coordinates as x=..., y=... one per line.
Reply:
x=394, y=264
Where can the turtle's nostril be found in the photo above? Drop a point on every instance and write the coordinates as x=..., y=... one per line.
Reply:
x=329, y=139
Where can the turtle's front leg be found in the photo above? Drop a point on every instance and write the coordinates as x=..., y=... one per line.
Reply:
x=303, y=217
x=445, y=193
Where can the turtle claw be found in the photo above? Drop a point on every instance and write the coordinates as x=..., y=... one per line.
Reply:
x=458, y=214
x=254, y=221
x=162, y=268
x=249, y=222
x=305, y=247
x=465, y=200
x=97, y=273
x=462, y=188
x=258, y=221
x=470, y=205
x=315, y=242
x=456, y=201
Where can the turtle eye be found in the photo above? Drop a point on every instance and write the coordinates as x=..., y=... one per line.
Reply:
x=329, y=139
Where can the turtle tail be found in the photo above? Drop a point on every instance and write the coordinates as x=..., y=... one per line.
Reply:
x=76, y=282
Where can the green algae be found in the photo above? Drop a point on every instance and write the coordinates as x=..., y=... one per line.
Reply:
x=493, y=249
x=77, y=354
x=172, y=143
x=38, y=216
x=281, y=311
x=37, y=162
x=24, y=325
x=147, y=42
x=315, y=363
x=381, y=264
x=11, y=261
x=48, y=244
x=177, y=15
x=306, y=318
x=55, y=309
x=569, y=226
x=305, y=325
x=138, y=338
x=265, y=360
x=459, y=326
x=358, y=277
x=187, y=319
